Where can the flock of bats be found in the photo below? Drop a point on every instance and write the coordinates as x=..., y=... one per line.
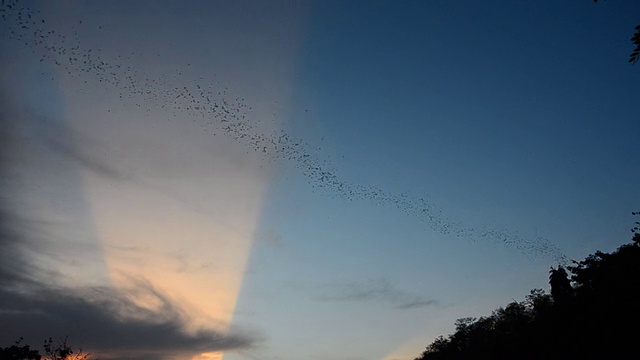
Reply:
x=223, y=115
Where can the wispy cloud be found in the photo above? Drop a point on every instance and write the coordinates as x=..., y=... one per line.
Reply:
x=46, y=135
x=379, y=290
x=87, y=160
x=417, y=304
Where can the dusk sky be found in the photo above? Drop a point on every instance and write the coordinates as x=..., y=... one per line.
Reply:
x=293, y=179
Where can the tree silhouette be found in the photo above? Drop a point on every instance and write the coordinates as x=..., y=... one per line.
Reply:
x=61, y=351
x=636, y=229
x=560, y=285
x=633, y=58
x=591, y=314
x=635, y=40
x=19, y=352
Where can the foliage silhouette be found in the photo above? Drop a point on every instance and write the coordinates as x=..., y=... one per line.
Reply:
x=18, y=352
x=590, y=314
x=635, y=40
x=61, y=351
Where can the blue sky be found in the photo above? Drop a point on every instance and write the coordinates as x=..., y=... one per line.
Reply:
x=294, y=179
x=498, y=112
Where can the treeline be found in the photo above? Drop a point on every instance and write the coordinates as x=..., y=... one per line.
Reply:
x=593, y=312
x=21, y=351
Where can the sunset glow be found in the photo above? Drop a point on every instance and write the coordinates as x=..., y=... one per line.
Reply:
x=286, y=180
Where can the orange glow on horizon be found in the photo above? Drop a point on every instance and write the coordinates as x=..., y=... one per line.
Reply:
x=209, y=356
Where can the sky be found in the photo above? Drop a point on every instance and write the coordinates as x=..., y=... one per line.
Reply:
x=303, y=179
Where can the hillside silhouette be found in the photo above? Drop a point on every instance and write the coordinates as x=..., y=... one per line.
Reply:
x=592, y=312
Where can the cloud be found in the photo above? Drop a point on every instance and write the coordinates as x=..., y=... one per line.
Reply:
x=11, y=250
x=107, y=322
x=36, y=298
x=417, y=304
x=137, y=322
x=378, y=290
x=87, y=160
x=31, y=137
